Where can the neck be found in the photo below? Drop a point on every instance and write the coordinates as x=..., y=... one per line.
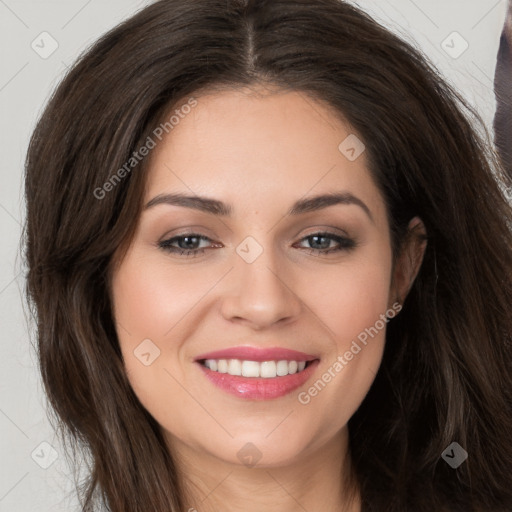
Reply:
x=320, y=480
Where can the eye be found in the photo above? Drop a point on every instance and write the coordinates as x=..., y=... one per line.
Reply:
x=188, y=244
x=321, y=243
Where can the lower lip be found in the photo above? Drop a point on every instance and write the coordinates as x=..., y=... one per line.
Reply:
x=259, y=388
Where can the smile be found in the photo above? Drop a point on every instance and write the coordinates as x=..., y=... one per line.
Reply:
x=252, y=387
x=255, y=372
x=265, y=369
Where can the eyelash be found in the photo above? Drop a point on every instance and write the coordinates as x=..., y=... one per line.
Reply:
x=345, y=244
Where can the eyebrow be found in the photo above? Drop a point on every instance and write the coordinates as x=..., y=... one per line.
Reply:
x=215, y=207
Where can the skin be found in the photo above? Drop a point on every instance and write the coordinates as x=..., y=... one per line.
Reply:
x=258, y=152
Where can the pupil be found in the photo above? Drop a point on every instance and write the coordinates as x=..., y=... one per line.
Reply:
x=189, y=245
x=316, y=237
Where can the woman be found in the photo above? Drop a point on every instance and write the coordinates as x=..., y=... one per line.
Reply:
x=270, y=260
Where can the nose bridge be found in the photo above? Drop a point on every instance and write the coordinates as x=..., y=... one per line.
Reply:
x=261, y=294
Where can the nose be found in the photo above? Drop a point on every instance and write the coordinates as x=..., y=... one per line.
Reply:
x=259, y=295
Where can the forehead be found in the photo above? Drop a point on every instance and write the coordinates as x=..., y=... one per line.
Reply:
x=256, y=146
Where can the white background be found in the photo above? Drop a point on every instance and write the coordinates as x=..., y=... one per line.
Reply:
x=26, y=80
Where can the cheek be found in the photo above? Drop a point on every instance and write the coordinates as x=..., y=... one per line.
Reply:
x=145, y=309
x=358, y=304
x=353, y=308
x=157, y=309
x=352, y=296
x=151, y=297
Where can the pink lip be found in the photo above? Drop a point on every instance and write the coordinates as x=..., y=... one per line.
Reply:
x=258, y=388
x=258, y=354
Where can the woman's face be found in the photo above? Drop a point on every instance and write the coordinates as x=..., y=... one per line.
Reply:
x=280, y=271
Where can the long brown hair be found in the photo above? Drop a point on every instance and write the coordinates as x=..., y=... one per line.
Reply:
x=446, y=371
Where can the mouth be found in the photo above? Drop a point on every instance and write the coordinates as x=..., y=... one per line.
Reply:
x=254, y=374
x=255, y=369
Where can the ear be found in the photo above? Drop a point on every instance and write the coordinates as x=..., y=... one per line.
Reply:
x=408, y=262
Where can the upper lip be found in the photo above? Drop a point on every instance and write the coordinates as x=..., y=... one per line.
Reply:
x=249, y=353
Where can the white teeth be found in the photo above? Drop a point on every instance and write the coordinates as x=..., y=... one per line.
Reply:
x=282, y=368
x=268, y=369
x=234, y=367
x=265, y=369
x=222, y=365
x=250, y=369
